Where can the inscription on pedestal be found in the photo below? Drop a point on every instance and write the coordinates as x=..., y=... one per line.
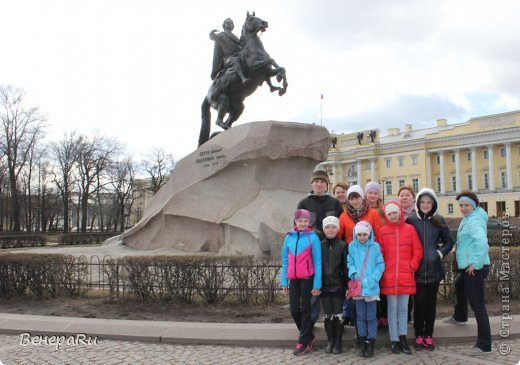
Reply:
x=210, y=158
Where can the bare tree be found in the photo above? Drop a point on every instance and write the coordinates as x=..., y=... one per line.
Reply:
x=123, y=175
x=95, y=156
x=21, y=130
x=158, y=165
x=66, y=155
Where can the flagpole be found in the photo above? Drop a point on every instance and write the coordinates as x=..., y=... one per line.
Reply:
x=321, y=110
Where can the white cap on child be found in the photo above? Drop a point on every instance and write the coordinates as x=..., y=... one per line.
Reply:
x=392, y=207
x=362, y=227
x=331, y=220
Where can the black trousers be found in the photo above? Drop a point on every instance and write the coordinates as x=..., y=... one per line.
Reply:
x=425, y=308
x=470, y=289
x=300, y=303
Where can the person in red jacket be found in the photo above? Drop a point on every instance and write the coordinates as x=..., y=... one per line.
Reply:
x=357, y=209
x=402, y=252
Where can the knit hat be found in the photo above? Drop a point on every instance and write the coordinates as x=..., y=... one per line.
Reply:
x=354, y=189
x=320, y=174
x=362, y=227
x=372, y=185
x=302, y=213
x=331, y=220
x=392, y=207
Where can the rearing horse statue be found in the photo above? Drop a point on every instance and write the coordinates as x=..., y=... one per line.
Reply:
x=227, y=93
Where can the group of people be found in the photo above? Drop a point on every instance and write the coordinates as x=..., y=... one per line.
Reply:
x=394, y=251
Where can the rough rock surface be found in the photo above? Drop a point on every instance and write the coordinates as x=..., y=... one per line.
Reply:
x=236, y=193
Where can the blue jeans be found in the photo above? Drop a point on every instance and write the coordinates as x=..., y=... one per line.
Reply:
x=397, y=315
x=366, y=318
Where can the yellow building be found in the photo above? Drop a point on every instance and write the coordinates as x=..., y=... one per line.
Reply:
x=482, y=155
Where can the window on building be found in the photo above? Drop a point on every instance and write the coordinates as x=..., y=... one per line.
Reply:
x=401, y=182
x=484, y=205
x=486, y=180
x=388, y=187
x=438, y=184
x=387, y=163
x=486, y=154
x=414, y=160
x=454, y=183
x=415, y=184
x=469, y=156
x=503, y=179
x=438, y=160
x=502, y=152
x=450, y=208
x=401, y=161
x=470, y=182
x=452, y=157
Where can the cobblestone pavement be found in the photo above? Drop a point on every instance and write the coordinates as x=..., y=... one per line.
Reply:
x=130, y=352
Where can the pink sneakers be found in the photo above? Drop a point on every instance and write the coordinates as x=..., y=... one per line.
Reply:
x=302, y=350
x=430, y=346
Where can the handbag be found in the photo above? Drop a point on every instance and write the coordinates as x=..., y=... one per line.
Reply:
x=354, y=286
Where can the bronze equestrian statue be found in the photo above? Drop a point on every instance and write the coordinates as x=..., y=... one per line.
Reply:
x=239, y=67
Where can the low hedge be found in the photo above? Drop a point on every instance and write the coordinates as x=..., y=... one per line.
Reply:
x=241, y=280
x=22, y=240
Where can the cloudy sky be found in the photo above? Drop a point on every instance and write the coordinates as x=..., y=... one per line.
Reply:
x=138, y=70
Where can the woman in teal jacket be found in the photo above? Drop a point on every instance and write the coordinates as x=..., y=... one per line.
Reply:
x=473, y=263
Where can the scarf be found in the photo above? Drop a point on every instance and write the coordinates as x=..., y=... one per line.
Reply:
x=354, y=213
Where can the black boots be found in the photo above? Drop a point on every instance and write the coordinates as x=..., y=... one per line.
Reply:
x=404, y=345
x=363, y=344
x=370, y=347
x=396, y=347
x=334, y=330
x=338, y=338
x=330, y=330
x=367, y=347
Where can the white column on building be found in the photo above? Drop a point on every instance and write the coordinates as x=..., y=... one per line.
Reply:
x=509, y=167
x=458, y=184
x=491, y=168
x=334, y=174
x=360, y=172
x=373, y=169
x=428, y=182
x=474, y=173
x=442, y=169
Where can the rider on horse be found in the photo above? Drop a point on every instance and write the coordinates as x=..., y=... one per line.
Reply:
x=226, y=56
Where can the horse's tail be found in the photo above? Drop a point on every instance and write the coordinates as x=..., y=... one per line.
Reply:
x=205, y=126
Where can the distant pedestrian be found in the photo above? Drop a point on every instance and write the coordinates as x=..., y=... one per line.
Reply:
x=436, y=241
x=301, y=276
x=365, y=263
x=472, y=256
x=334, y=283
x=402, y=252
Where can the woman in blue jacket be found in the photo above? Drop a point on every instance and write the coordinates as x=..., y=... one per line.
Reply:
x=361, y=247
x=473, y=263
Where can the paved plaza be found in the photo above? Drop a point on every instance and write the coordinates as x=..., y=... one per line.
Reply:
x=135, y=352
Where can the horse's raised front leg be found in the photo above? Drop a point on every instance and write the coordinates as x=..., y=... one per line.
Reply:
x=272, y=88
